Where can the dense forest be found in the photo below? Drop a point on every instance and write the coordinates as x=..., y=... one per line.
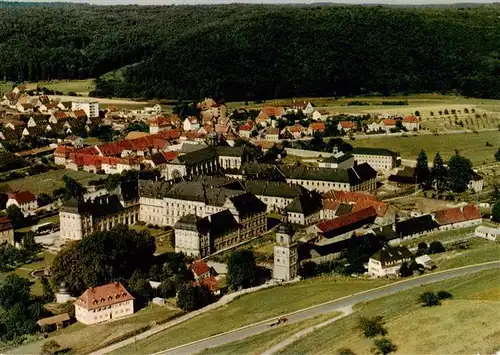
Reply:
x=249, y=52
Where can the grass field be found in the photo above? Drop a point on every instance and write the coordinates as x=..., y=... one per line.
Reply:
x=252, y=308
x=162, y=241
x=470, y=145
x=480, y=251
x=467, y=324
x=81, y=87
x=81, y=339
x=47, y=182
x=259, y=343
x=440, y=236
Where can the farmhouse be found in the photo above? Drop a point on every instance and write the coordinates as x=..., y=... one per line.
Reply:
x=487, y=233
x=103, y=303
x=25, y=200
x=388, y=261
x=458, y=217
x=378, y=158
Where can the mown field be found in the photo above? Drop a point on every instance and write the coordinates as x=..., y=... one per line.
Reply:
x=466, y=324
x=82, y=339
x=81, y=87
x=252, y=308
x=470, y=145
x=47, y=182
x=258, y=344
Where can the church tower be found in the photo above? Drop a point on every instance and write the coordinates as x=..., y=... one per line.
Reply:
x=286, y=258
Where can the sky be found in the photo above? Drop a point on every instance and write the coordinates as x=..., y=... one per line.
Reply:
x=194, y=2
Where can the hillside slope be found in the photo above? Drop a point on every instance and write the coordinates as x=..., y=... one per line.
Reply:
x=248, y=52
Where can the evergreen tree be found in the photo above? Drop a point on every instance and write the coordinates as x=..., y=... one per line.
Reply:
x=241, y=269
x=495, y=213
x=439, y=174
x=422, y=169
x=459, y=173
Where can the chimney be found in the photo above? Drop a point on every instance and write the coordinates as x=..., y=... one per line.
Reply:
x=394, y=227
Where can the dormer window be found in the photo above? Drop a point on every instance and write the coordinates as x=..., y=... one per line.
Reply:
x=117, y=296
x=95, y=302
x=103, y=300
x=110, y=298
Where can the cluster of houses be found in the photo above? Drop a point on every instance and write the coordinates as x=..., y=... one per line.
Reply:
x=24, y=116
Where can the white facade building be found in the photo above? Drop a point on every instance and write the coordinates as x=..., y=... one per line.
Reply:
x=91, y=108
x=488, y=233
x=379, y=159
x=103, y=303
x=286, y=258
x=388, y=261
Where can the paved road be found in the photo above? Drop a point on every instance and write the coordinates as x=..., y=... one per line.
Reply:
x=328, y=307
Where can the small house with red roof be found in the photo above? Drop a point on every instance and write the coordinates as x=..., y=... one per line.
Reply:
x=296, y=130
x=411, y=123
x=245, y=131
x=346, y=126
x=387, y=124
x=159, y=124
x=78, y=114
x=103, y=303
x=191, y=123
x=320, y=115
x=272, y=133
x=458, y=217
x=25, y=200
x=58, y=116
x=6, y=231
x=316, y=127
x=200, y=269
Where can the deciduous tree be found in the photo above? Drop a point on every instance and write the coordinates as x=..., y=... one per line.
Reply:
x=459, y=173
x=241, y=269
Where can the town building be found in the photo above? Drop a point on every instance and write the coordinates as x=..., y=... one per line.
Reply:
x=489, y=233
x=387, y=124
x=346, y=126
x=388, y=261
x=458, y=217
x=203, y=161
x=411, y=123
x=339, y=160
x=25, y=200
x=6, y=231
x=201, y=269
x=477, y=182
x=275, y=194
x=380, y=159
x=320, y=115
x=286, y=257
x=415, y=227
x=358, y=178
x=79, y=219
x=305, y=209
x=91, y=108
x=158, y=124
x=104, y=303
x=243, y=217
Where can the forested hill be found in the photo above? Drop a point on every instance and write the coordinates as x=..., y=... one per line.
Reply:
x=244, y=52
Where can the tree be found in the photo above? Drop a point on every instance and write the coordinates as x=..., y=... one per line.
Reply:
x=345, y=351
x=43, y=199
x=439, y=174
x=442, y=295
x=72, y=188
x=14, y=290
x=103, y=257
x=140, y=287
x=48, y=294
x=422, y=169
x=495, y=212
x=191, y=297
x=497, y=155
x=459, y=173
x=372, y=327
x=241, y=269
x=16, y=216
x=435, y=248
x=384, y=346
x=422, y=248
x=429, y=299
x=167, y=289
x=50, y=347
x=308, y=269
x=417, y=113
x=405, y=270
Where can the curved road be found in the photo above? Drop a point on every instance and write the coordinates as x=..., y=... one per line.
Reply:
x=331, y=306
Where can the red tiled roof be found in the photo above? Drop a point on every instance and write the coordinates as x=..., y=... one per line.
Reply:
x=104, y=296
x=317, y=126
x=331, y=205
x=192, y=135
x=347, y=219
x=246, y=127
x=200, y=267
x=211, y=282
x=5, y=224
x=62, y=150
x=348, y=196
x=346, y=124
x=389, y=122
x=22, y=197
x=170, y=155
x=457, y=214
x=159, y=121
x=80, y=114
x=60, y=115
x=411, y=119
x=273, y=111
x=297, y=128
x=379, y=206
x=300, y=105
